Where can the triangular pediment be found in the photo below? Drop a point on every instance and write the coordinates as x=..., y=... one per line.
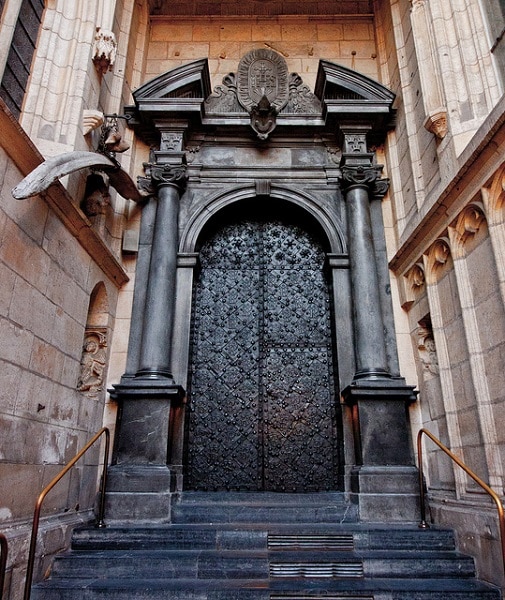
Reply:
x=191, y=80
x=336, y=83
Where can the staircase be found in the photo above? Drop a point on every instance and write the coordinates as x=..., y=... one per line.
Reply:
x=252, y=546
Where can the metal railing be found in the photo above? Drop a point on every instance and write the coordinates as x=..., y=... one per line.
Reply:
x=38, y=505
x=4, y=549
x=499, y=505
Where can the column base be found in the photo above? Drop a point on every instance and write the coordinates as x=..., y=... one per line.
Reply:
x=139, y=494
x=144, y=420
x=386, y=494
x=385, y=481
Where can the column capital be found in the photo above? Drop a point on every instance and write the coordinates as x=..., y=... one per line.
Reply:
x=365, y=176
x=159, y=175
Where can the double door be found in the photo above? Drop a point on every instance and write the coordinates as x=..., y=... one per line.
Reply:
x=262, y=412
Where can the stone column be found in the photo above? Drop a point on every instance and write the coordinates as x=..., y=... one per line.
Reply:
x=141, y=482
x=359, y=176
x=384, y=479
x=155, y=349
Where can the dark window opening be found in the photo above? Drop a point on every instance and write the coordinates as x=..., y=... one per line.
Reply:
x=19, y=60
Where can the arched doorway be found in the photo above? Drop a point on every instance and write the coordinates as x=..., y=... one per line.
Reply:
x=263, y=413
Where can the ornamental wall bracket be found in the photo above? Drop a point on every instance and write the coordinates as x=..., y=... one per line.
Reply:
x=159, y=174
x=436, y=123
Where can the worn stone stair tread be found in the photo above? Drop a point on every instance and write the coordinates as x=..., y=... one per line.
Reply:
x=207, y=535
x=301, y=586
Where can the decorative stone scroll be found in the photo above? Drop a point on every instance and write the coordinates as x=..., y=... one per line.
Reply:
x=301, y=99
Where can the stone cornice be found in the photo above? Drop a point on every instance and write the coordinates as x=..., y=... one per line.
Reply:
x=26, y=157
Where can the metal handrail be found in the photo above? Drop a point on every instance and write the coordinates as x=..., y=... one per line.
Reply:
x=4, y=547
x=499, y=505
x=38, y=505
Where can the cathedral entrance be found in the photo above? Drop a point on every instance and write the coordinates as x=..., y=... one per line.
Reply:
x=263, y=413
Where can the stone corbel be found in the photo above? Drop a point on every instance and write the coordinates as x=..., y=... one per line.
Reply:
x=436, y=123
x=104, y=50
x=429, y=70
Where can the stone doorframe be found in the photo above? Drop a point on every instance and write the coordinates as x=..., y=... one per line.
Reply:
x=357, y=112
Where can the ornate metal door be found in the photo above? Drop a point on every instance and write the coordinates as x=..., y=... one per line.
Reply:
x=262, y=414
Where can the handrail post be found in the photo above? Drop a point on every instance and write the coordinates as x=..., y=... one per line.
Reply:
x=468, y=471
x=38, y=505
x=4, y=547
x=422, y=501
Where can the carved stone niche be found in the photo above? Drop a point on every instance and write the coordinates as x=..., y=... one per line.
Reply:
x=439, y=255
x=469, y=222
x=93, y=360
x=416, y=277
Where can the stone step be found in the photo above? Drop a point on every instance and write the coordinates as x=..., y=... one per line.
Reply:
x=167, y=564
x=257, y=536
x=244, y=546
x=263, y=507
x=306, y=589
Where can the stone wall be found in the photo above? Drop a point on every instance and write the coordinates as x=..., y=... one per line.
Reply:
x=59, y=282
x=448, y=213
x=303, y=41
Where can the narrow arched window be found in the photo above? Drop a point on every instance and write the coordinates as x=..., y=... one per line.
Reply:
x=19, y=60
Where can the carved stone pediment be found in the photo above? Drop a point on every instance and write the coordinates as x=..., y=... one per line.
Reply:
x=263, y=76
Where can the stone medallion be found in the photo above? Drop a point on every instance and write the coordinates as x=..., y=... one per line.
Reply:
x=262, y=74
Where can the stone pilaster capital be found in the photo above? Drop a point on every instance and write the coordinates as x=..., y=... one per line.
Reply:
x=159, y=175
x=380, y=188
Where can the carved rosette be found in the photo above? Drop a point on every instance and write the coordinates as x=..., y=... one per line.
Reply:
x=158, y=175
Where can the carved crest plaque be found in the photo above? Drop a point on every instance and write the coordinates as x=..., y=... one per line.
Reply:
x=262, y=73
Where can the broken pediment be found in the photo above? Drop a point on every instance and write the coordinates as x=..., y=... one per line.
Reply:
x=262, y=94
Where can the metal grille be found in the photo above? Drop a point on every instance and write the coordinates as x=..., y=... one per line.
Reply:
x=317, y=570
x=312, y=597
x=263, y=415
x=343, y=541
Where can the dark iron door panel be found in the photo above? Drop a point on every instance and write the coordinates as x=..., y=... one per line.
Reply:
x=262, y=402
